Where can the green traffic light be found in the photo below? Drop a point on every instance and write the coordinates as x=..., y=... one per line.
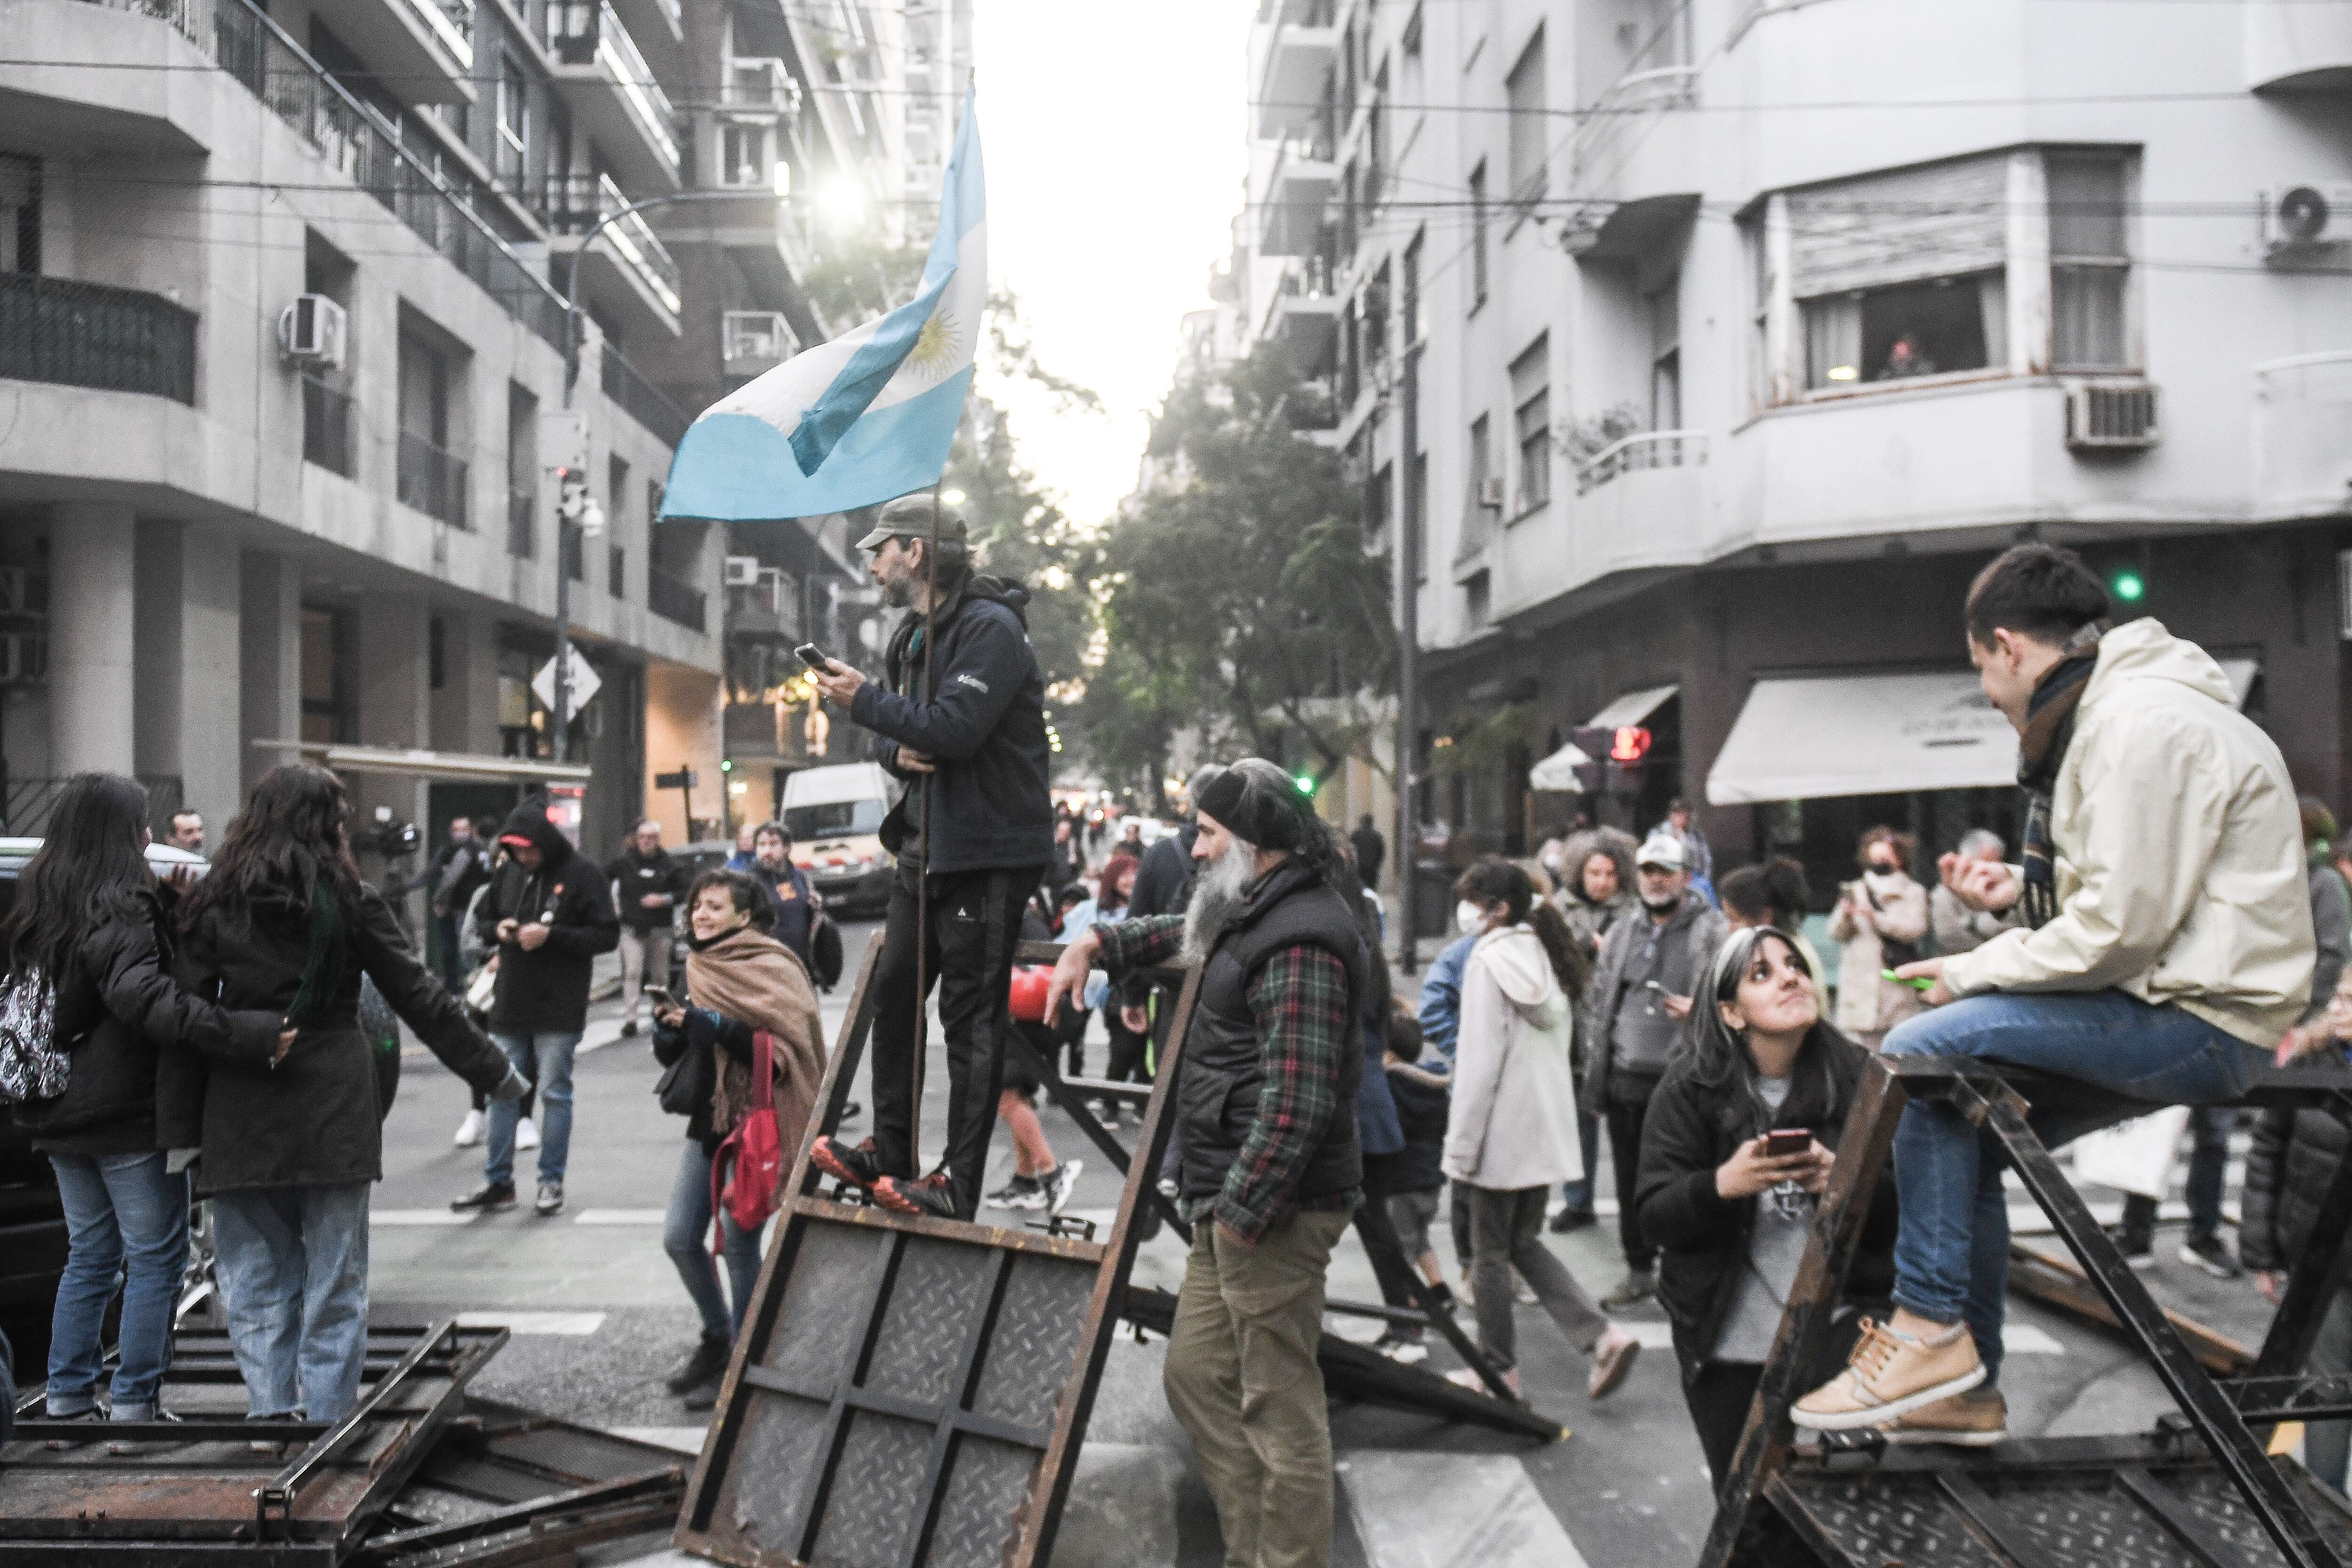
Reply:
x=2129, y=587
x=727, y=766
x=1306, y=783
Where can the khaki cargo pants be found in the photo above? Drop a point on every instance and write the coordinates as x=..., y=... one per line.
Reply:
x=1242, y=1379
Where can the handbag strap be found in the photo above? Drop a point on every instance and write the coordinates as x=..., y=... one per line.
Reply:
x=764, y=1071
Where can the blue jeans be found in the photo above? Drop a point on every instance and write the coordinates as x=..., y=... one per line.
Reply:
x=686, y=1236
x=125, y=1220
x=292, y=1264
x=1951, y=1251
x=545, y=1058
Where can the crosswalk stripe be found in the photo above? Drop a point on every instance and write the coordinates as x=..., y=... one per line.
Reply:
x=620, y=1216
x=2024, y=1339
x=421, y=1216
x=572, y=1324
x=1452, y=1511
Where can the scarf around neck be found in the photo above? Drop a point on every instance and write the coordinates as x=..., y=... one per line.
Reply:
x=2041, y=752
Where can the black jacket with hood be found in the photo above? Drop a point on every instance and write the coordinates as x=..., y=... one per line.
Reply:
x=544, y=990
x=315, y=1117
x=1691, y=1129
x=117, y=1009
x=984, y=729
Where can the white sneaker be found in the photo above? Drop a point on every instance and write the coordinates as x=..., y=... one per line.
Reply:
x=526, y=1135
x=469, y=1131
x=1061, y=1184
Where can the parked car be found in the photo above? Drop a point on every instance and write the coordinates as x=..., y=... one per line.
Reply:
x=32, y=1219
x=834, y=816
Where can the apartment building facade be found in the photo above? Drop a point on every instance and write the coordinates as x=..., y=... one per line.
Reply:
x=1732, y=336
x=282, y=341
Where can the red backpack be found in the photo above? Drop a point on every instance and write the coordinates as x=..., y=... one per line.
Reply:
x=744, y=1173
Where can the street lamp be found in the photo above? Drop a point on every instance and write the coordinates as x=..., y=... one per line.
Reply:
x=563, y=524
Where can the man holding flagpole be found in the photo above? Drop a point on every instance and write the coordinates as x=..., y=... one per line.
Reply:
x=962, y=722
x=865, y=418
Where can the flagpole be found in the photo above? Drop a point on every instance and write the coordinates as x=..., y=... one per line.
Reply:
x=923, y=844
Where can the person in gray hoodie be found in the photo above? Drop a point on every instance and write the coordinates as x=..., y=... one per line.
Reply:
x=1651, y=964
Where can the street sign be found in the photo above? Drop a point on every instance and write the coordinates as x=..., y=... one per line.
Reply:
x=585, y=683
x=682, y=779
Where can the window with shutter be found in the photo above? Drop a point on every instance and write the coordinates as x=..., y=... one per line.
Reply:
x=1523, y=90
x=1531, y=422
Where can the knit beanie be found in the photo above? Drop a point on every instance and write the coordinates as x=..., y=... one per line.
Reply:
x=1256, y=803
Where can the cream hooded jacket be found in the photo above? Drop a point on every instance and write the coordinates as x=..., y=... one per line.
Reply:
x=2180, y=857
x=1513, y=1123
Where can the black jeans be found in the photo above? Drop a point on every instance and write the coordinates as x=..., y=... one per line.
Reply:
x=1628, y=1107
x=974, y=925
x=1126, y=1047
x=1718, y=1397
x=1390, y=1267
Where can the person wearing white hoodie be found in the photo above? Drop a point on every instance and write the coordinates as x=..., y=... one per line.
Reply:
x=2166, y=945
x=1511, y=1134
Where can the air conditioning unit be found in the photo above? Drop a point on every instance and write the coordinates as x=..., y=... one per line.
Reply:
x=312, y=330
x=742, y=570
x=2313, y=214
x=2110, y=416
x=1490, y=494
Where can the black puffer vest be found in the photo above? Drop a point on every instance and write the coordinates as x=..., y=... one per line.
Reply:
x=1224, y=1062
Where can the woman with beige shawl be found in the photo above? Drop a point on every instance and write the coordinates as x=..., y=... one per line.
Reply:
x=739, y=980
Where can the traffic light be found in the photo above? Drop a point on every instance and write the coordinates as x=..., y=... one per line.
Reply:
x=574, y=504
x=1306, y=783
x=2126, y=585
x=1615, y=754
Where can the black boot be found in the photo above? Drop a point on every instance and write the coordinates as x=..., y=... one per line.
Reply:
x=707, y=1362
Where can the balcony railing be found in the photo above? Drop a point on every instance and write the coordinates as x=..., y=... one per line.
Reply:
x=1650, y=449
x=325, y=427
x=522, y=522
x=626, y=386
x=444, y=210
x=759, y=86
x=674, y=599
x=432, y=481
x=575, y=203
x=87, y=334
x=585, y=32
x=451, y=22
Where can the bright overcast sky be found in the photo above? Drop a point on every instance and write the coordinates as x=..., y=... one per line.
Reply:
x=1114, y=138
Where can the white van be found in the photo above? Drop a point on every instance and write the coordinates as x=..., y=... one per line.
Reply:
x=834, y=816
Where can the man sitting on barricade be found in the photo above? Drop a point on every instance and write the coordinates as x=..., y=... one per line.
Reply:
x=2166, y=946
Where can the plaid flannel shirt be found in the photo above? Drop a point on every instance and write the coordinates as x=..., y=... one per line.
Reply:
x=1300, y=1002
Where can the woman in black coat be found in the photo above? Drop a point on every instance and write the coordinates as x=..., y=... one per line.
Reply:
x=289, y=1148
x=1731, y=1223
x=90, y=924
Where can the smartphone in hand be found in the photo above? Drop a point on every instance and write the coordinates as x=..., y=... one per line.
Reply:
x=813, y=656
x=1787, y=1144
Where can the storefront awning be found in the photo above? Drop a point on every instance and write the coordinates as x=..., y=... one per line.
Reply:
x=419, y=763
x=1814, y=736
x=1632, y=708
x=1558, y=772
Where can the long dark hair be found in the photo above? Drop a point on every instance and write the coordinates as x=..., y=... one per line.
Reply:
x=1773, y=893
x=288, y=837
x=1718, y=1055
x=1493, y=880
x=91, y=864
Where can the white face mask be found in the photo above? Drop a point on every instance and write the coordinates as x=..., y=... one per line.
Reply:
x=1470, y=918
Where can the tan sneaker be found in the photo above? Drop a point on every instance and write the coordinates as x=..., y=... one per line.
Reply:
x=1977, y=1419
x=1891, y=1374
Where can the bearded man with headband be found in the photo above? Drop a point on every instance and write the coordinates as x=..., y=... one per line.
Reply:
x=1271, y=1168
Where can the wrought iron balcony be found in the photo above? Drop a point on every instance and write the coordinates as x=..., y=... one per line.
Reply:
x=627, y=386
x=432, y=481
x=574, y=204
x=674, y=599
x=86, y=334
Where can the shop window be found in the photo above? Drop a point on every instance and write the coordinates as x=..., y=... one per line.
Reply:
x=1905, y=331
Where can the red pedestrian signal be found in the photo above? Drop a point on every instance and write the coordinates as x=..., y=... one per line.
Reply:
x=1630, y=744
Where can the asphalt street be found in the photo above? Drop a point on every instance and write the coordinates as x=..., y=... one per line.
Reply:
x=598, y=1317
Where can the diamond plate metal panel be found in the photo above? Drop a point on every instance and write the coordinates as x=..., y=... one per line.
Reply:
x=765, y=1498
x=2088, y=1519
x=1029, y=1358
x=818, y=1330
x=1879, y=1520
x=2222, y=1510
x=877, y=1493
x=982, y=1510
x=941, y=1287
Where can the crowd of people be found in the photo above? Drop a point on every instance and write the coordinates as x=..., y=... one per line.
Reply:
x=2173, y=914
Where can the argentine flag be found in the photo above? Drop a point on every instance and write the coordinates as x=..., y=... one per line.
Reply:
x=867, y=417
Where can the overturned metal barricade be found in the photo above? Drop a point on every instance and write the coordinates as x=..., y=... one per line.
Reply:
x=2199, y=1491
